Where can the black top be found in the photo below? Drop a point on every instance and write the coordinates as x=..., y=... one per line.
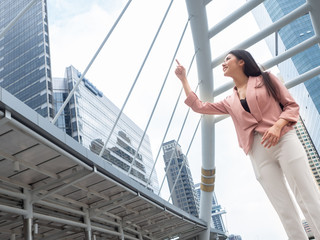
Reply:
x=245, y=105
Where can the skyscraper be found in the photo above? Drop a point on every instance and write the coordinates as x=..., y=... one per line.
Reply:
x=183, y=195
x=216, y=211
x=307, y=94
x=89, y=118
x=25, y=69
x=313, y=156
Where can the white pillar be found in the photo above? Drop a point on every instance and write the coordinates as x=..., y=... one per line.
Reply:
x=315, y=16
x=87, y=221
x=27, y=221
x=199, y=28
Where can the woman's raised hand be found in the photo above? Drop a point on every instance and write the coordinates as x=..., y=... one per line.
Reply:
x=180, y=72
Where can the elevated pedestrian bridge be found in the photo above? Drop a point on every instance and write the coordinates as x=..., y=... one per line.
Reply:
x=51, y=187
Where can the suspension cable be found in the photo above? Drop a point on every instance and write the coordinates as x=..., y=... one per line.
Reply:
x=160, y=92
x=89, y=65
x=169, y=124
x=185, y=159
x=136, y=79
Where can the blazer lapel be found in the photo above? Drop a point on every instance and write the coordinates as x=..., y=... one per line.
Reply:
x=252, y=97
x=240, y=116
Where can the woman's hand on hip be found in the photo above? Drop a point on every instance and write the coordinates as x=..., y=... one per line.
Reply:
x=271, y=137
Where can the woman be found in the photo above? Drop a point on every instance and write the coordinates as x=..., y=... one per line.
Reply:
x=264, y=112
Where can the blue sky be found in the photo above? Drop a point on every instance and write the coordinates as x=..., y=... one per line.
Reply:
x=77, y=28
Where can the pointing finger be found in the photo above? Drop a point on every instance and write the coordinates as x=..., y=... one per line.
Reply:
x=178, y=62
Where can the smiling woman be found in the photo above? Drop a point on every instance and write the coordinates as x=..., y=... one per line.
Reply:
x=265, y=133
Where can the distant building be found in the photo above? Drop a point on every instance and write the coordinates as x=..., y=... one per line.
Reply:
x=216, y=211
x=25, y=68
x=183, y=195
x=234, y=237
x=307, y=229
x=313, y=156
x=89, y=118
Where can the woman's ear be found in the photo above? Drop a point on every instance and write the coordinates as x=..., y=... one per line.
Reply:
x=241, y=62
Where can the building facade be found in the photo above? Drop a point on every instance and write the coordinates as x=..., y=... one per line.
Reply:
x=313, y=156
x=234, y=237
x=89, y=117
x=184, y=194
x=25, y=69
x=307, y=95
x=307, y=229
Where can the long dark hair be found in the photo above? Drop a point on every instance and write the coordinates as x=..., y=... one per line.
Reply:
x=251, y=68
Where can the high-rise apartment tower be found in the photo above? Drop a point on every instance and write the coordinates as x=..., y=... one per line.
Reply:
x=183, y=194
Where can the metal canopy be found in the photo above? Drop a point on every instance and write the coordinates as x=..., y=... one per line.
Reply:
x=51, y=187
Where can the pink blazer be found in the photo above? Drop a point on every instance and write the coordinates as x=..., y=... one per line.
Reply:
x=265, y=110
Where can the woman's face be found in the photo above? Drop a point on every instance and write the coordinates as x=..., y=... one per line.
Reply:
x=231, y=65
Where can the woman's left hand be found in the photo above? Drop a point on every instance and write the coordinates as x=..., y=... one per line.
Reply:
x=271, y=136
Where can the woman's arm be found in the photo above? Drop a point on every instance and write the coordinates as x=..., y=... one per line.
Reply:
x=193, y=100
x=289, y=115
x=290, y=107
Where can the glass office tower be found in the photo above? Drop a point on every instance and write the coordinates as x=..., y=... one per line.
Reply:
x=25, y=68
x=307, y=94
x=89, y=118
x=184, y=194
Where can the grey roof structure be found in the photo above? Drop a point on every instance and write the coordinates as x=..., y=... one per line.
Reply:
x=51, y=187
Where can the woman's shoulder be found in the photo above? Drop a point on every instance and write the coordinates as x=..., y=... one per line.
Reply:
x=255, y=81
x=259, y=80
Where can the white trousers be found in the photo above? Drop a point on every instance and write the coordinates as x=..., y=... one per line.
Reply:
x=288, y=160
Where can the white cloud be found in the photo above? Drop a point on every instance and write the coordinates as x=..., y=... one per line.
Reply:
x=72, y=41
